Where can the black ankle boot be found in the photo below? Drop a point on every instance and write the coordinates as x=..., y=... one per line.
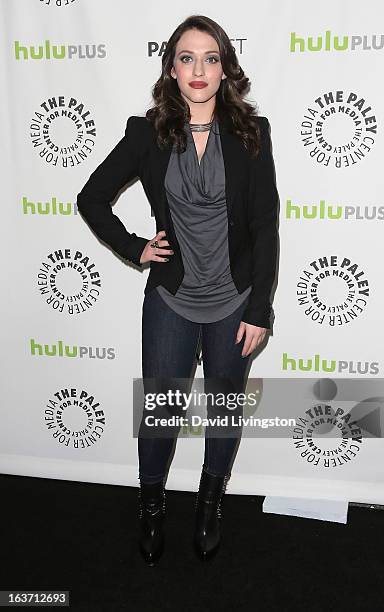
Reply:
x=151, y=514
x=208, y=514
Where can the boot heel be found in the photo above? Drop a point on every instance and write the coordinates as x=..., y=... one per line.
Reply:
x=151, y=517
x=207, y=537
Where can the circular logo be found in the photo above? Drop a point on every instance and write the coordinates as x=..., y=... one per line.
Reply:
x=63, y=132
x=332, y=290
x=58, y=3
x=339, y=129
x=69, y=282
x=327, y=437
x=74, y=418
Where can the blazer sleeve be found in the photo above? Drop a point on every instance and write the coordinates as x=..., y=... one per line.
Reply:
x=262, y=216
x=93, y=201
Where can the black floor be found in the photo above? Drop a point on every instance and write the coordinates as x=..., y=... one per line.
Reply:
x=82, y=537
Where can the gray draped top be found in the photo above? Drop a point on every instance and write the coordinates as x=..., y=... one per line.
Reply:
x=197, y=201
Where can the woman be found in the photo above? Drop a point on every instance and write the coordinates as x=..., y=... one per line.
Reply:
x=204, y=159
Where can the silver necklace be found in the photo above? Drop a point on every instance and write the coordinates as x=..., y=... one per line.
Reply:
x=200, y=127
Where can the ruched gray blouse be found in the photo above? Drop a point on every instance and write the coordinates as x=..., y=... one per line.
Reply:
x=196, y=197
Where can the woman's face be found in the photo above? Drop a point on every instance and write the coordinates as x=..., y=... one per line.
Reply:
x=197, y=58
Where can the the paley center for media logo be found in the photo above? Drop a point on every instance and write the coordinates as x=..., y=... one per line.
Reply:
x=63, y=131
x=338, y=129
x=332, y=290
x=56, y=3
x=74, y=418
x=68, y=281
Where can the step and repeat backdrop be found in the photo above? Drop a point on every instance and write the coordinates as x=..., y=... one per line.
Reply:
x=72, y=72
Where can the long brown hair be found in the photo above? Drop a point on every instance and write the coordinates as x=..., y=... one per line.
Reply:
x=171, y=111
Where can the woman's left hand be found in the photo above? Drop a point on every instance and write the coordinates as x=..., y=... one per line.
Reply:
x=254, y=335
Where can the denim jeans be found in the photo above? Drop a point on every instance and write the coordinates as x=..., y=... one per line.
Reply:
x=169, y=346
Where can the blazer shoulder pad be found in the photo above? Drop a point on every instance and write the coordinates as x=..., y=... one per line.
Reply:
x=138, y=121
x=263, y=121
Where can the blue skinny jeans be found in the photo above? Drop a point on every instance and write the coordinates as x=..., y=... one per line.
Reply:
x=170, y=344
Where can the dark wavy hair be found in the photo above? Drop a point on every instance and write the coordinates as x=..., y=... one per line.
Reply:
x=171, y=111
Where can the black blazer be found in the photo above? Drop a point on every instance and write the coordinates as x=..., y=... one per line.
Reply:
x=252, y=203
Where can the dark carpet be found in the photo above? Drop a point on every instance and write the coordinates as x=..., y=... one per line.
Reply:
x=82, y=538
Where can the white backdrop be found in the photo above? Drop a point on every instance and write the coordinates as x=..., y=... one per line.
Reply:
x=71, y=74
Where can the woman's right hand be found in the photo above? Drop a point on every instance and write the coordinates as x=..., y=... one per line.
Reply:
x=153, y=253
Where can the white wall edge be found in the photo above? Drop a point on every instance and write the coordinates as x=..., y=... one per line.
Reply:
x=188, y=480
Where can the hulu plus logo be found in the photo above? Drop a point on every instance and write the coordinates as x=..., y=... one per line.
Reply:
x=73, y=351
x=317, y=363
x=50, y=51
x=333, y=42
x=51, y=207
x=323, y=210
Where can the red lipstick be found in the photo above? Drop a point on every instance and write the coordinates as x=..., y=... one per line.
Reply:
x=198, y=84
